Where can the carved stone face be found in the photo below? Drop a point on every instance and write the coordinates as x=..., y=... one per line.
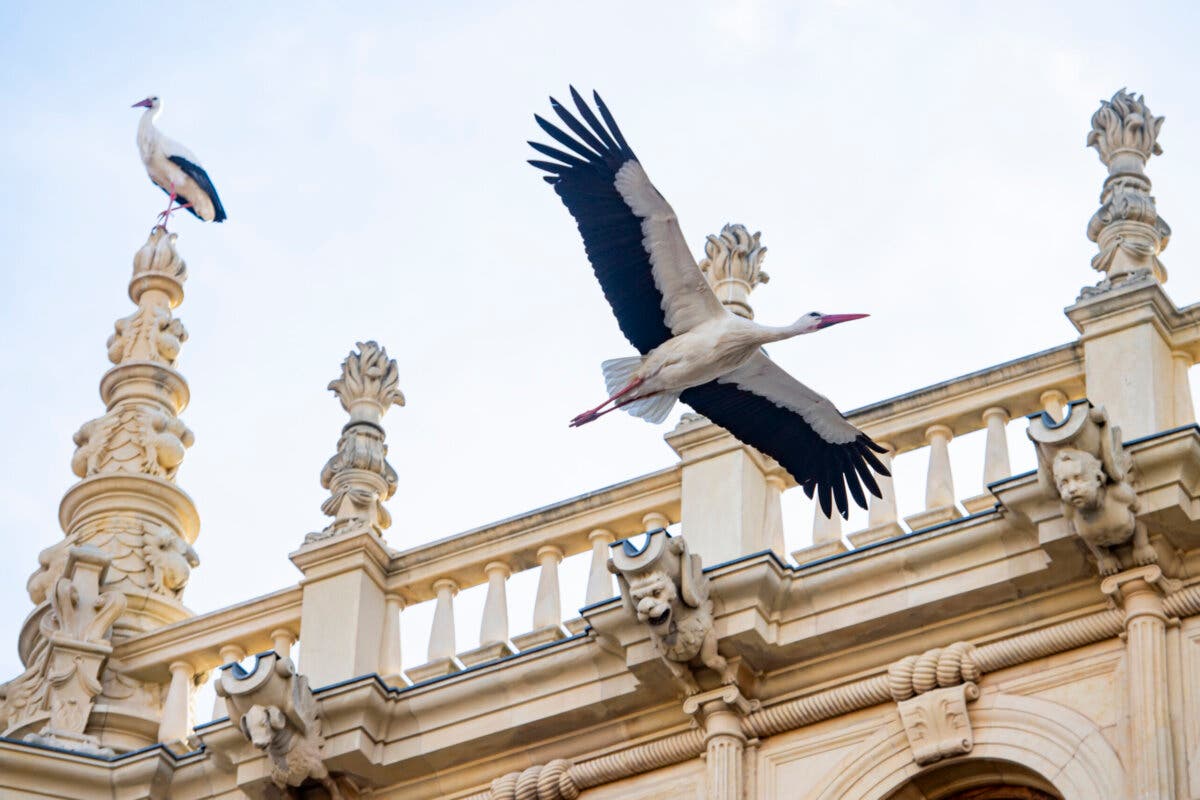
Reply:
x=653, y=597
x=1079, y=479
x=260, y=723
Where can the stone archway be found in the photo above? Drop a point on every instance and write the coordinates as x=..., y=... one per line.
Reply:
x=1001, y=793
x=1061, y=749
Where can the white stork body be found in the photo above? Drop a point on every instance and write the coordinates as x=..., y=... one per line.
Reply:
x=175, y=169
x=693, y=348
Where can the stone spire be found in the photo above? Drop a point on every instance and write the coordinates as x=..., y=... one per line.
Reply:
x=732, y=263
x=358, y=477
x=1127, y=226
x=129, y=533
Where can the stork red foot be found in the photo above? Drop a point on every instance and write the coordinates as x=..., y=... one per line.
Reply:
x=595, y=413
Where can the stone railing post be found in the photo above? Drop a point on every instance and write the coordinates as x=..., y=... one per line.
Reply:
x=390, y=667
x=442, y=640
x=599, y=585
x=547, y=605
x=1185, y=412
x=826, y=537
x=282, y=640
x=995, y=457
x=493, y=626
x=881, y=511
x=939, y=482
x=175, y=726
x=229, y=653
x=1139, y=592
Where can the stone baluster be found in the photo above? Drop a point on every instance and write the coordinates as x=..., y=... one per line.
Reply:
x=442, y=645
x=653, y=520
x=881, y=514
x=939, y=483
x=493, y=627
x=176, y=725
x=773, y=513
x=390, y=666
x=1053, y=402
x=229, y=653
x=1139, y=592
x=826, y=538
x=995, y=458
x=282, y=640
x=1185, y=412
x=599, y=585
x=547, y=605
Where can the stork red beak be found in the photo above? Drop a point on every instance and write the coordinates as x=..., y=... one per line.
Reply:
x=142, y=103
x=834, y=319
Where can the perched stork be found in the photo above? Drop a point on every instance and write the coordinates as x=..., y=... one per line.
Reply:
x=174, y=169
x=692, y=348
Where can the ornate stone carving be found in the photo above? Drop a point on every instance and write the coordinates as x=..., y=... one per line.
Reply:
x=131, y=438
x=1082, y=461
x=937, y=724
x=1127, y=227
x=732, y=263
x=665, y=588
x=358, y=476
x=159, y=257
x=931, y=691
x=62, y=680
x=277, y=712
x=148, y=334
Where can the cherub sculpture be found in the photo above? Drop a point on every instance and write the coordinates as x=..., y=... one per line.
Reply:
x=664, y=587
x=1081, y=459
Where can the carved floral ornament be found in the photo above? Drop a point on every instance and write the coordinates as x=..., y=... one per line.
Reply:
x=931, y=693
x=1125, y=124
x=732, y=264
x=370, y=377
x=131, y=438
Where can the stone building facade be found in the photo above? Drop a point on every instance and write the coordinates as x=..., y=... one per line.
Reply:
x=1037, y=639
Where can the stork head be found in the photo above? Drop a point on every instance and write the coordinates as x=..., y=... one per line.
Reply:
x=152, y=102
x=815, y=321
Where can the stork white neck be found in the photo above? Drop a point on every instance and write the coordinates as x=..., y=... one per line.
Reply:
x=147, y=135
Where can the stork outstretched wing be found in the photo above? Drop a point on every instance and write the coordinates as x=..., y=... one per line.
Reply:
x=768, y=409
x=630, y=232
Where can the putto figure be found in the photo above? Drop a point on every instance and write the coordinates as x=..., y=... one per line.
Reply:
x=665, y=588
x=1081, y=459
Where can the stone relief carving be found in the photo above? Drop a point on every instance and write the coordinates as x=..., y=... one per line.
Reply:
x=732, y=264
x=62, y=680
x=149, y=334
x=134, y=439
x=665, y=588
x=1082, y=461
x=169, y=560
x=931, y=693
x=278, y=714
x=358, y=476
x=1127, y=227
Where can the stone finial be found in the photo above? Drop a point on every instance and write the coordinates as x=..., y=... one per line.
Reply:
x=732, y=264
x=1126, y=227
x=1082, y=462
x=370, y=383
x=358, y=476
x=277, y=713
x=665, y=588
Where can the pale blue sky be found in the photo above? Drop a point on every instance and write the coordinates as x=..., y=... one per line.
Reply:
x=923, y=162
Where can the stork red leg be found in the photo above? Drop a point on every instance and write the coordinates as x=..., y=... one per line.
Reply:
x=165, y=215
x=593, y=413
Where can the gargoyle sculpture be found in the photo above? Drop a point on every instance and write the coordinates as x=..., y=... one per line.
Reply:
x=169, y=559
x=1081, y=460
x=664, y=587
x=277, y=712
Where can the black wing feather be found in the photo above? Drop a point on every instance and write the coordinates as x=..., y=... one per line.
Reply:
x=197, y=174
x=612, y=234
x=816, y=465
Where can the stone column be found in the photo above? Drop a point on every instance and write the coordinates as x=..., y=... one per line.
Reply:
x=391, y=668
x=547, y=604
x=229, y=653
x=1139, y=592
x=345, y=565
x=176, y=726
x=493, y=626
x=442, y=638
x=720, y=714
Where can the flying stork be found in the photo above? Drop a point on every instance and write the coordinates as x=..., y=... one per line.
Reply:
x=175, y=170
x=692, y=348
